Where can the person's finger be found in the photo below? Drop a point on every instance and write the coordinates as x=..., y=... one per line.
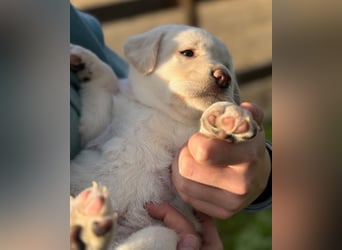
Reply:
x=225, y=177
x=216, y=152
x=188, y=242
x=211, y=209
x=210, y=236
x=220, y=192
x=256, y=111
x=171, y=218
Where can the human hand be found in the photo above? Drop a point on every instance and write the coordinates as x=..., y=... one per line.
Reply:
x=210, y=239
x=220, y=178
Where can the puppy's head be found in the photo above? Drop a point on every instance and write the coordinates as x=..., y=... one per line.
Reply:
x=180, y=70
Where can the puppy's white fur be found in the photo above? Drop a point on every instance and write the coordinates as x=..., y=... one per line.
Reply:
x=152, y=116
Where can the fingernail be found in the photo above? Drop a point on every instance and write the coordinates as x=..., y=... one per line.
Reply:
x=189, y=242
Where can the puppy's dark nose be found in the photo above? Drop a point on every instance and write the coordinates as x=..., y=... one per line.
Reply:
x=222, y=78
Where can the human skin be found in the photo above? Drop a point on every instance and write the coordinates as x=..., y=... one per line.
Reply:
x=189, y=239
x=220, y=178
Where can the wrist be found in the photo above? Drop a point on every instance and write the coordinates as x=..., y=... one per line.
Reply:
x=265, y=199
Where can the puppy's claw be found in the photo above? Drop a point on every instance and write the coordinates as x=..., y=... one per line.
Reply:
x=227, y=121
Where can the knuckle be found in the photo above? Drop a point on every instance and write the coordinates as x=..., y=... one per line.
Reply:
x=241, y=187
x=235, y=207
x=186, y=167
x=243, y=190
x=223, y=214
x=200, y=147
x=185, y=198
x=182, y=187
x=202, y=152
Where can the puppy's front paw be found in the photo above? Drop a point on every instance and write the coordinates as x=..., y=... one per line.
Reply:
x=225, y=120
x=92, y=221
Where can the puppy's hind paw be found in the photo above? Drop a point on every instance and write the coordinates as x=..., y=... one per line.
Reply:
x=88, y=67
x=80, y=62
x=92, y=220
x=227, y=121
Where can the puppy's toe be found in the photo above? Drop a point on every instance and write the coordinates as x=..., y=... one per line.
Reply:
x=81, y=60
x=76, y=64
x=76, y=242
x=92, y=220
x=90, y=70
x=227, y=121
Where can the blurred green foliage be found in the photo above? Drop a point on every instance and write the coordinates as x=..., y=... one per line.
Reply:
x=268, y=132
x=248, y=230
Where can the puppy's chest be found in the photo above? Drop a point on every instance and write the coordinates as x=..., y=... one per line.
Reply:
x=141, y=125
x=140, y=152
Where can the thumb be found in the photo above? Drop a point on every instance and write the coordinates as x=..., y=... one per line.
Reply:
x=188, y=242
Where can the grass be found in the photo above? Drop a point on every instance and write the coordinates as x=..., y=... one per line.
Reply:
x=248, y=230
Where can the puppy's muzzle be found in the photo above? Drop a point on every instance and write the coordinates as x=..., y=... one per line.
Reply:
x=222, y=77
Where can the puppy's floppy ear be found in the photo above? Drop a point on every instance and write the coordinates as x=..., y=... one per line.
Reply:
x=142, y=50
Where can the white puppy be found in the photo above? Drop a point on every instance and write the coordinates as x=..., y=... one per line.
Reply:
x=181, y=81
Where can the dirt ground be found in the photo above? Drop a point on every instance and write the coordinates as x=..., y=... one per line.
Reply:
x=244, y=25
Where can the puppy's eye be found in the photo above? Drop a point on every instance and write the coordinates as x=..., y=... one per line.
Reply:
x=187, y=53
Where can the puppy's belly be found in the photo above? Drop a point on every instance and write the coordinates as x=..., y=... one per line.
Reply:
x=130, y=198
x=131, y=187
x=134, y=176
x=134, y=162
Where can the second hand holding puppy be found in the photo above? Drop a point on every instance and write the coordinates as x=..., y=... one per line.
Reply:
x=220, y=178
x=189, y=239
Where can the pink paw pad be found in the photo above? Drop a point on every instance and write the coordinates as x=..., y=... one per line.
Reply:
x=228, y=123
x=76, y=64
x=212, y=120
x=95, y=206
x=75, y=59
x=82, y=197
x=92, y=219
x=242, y=127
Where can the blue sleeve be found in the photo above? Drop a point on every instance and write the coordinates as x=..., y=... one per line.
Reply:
x=86, y=31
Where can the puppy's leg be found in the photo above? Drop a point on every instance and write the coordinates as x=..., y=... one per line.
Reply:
x=151, y=238
x=92, y=221
x=98, y=83
x=227, y=121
